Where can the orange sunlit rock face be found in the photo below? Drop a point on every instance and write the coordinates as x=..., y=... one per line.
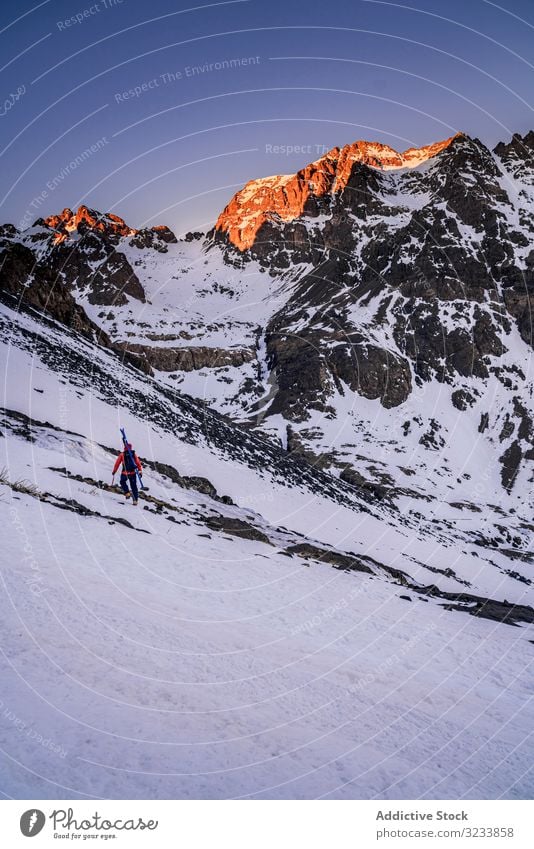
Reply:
x=286, y=195
x=68, y=221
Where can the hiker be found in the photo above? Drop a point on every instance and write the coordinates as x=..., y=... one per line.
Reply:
x=130, y=461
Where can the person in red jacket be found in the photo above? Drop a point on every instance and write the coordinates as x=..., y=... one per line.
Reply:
x=129, y=461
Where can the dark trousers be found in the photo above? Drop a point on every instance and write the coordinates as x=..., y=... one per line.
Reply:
x=133, y=485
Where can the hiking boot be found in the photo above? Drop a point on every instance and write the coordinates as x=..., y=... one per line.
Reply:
x=127, y=495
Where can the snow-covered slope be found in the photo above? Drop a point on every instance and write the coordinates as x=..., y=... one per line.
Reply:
x=254, y=627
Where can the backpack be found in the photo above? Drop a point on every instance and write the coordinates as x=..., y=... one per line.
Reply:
x=129, y=460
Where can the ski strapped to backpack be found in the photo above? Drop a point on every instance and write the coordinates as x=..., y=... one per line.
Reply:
x=131, y=456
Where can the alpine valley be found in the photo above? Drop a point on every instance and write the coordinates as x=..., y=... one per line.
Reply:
x=327, y=590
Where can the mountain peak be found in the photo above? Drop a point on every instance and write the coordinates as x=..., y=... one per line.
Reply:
x=385, y=158
x=519, y=148
x=68, y=222
x=287, y=195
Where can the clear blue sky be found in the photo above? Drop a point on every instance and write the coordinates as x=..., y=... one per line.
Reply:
x=317, y=75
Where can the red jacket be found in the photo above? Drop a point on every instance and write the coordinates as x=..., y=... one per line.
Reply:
x=120, y=460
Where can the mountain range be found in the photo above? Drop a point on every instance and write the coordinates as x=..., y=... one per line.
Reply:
x=331, y=392
x=371, y=297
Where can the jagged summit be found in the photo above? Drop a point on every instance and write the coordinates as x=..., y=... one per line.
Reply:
x=68, y=223
x=288, y=195
x=518, y=157
x=519, y=146
x=384, y=157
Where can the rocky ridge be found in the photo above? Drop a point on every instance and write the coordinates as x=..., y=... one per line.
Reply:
x=289, y=196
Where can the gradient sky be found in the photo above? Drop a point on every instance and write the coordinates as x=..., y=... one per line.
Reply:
x=325, y=74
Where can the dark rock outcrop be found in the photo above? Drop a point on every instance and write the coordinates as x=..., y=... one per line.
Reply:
x=190, y=358
x=347, y=562
x=37, y=285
